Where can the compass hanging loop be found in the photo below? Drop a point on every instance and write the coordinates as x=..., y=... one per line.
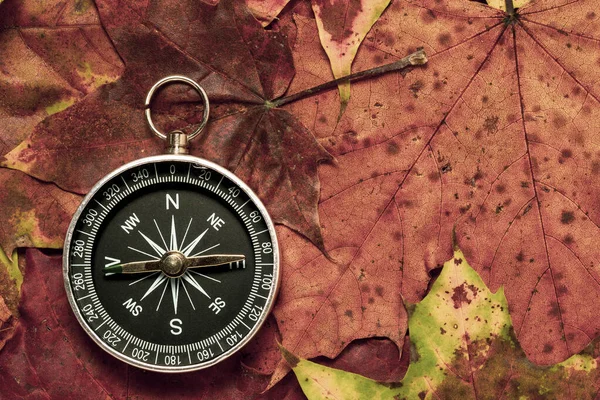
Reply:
x=177, y=140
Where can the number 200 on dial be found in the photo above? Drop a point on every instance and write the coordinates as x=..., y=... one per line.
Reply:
x=171, y=263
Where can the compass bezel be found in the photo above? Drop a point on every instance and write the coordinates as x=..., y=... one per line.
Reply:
x=68, y=246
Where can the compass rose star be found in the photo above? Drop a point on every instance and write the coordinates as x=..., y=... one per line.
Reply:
x=175, y=283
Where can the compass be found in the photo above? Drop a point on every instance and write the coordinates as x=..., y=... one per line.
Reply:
x=171, y=262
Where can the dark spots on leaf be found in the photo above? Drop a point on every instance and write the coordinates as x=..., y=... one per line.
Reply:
x=442, y=331
x=416, y=87
x=559, y=121
x=422, y=395
x=365, y=288
x=554, y=310
x=379, y=290
x=524, y=184
x=458, y=261
x=566, y=153
x=348, y=313
x=569, y=45
x=567, y=217
x=464, y=209
x=484, y=99
x=433, y=176
x=460, y=294
x=446, y=168
x=398, y=236
x=520, y=257
x=377, y=59
x=444, y=39
x=410, y=107
x=429, y=16
x=437, y=85
x=568, y=239
x=322, y=119
x=596, y=167
x=392, y=148
x=591, y=15
x=562, y=290
x=500, y=188
x=491, y=124
x=548, y=348
x=371, y=300
x=527, y=209
x=367, y=142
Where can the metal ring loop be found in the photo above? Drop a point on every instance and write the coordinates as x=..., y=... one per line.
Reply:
x=182, y=79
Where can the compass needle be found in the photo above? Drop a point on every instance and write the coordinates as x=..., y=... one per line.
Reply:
x=177, y=229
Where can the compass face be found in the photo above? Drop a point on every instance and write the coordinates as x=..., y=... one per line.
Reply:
x=171, y=263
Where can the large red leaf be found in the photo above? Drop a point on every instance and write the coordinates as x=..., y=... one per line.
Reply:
x=241, y=66
x=53, y=54
x=496, y=137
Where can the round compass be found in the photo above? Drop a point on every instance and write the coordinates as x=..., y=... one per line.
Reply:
x=171, y=263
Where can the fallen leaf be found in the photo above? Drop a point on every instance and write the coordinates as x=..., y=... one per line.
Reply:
x=343, y=25
x=248, y=68
x=53, y=54
x=463, y=347
x=34, y=214
x=496, y=138
x=50, y=356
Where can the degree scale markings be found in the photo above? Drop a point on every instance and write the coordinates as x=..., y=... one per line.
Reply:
x=240, y=319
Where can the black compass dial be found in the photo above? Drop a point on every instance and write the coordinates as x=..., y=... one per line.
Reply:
x=171, y=263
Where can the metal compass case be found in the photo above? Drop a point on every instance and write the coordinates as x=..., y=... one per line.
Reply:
x=171, y=262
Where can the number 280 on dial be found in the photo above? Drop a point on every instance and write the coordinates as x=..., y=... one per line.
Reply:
x=171, y=263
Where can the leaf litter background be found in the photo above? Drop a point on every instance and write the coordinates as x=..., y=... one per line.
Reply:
x=496, y=137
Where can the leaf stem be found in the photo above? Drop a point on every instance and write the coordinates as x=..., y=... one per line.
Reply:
x=510, y=8
x=417, y=58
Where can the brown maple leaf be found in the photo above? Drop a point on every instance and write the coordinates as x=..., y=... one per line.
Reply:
x=497, y=138
x=241, y=66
